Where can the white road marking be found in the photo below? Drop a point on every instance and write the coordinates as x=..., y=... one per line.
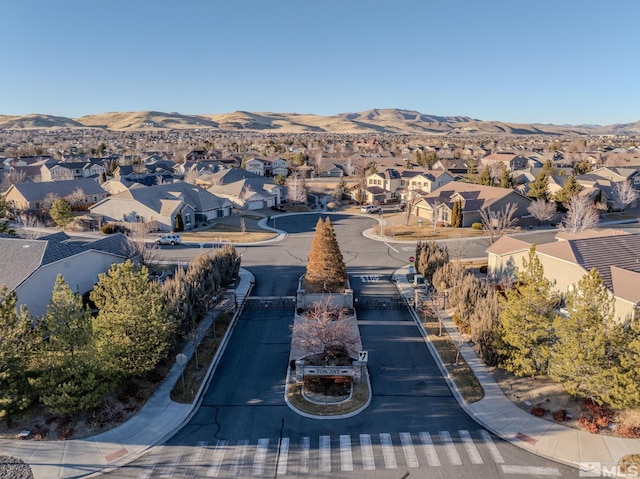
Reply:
x=493, y=449
x=429, y=449
x=260, y=456
x=283, y=457
x=450, y=448
x=151, y=461
x=238, y=458
x=531, y=470
x=409, y=451
x=368, y=462
x=391, y=247
x=325, y=453
x=387, y=451
x=304, y=454
x=216, y=460
x=471, y=448
x=346, y=458
x=173, y=465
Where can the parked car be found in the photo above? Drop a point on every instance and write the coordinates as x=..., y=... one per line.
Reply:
x=278, y=208
x=171, y=239
x=370, y=209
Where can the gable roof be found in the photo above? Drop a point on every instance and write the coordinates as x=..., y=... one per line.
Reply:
x=25, y=256
x=37, y=191
x=476, y=196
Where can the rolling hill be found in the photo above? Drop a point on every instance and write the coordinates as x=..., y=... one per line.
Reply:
x=384, y=120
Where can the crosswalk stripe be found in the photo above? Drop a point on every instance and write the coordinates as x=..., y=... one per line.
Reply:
x=346, y=458
x=493, y=449
x=216, y=460
x=283, y=456
x=368, y=462
x=387, y=451
x=471, y=448
x=151, y=461
x=202, y=447
x=260, y=456
x=450, y=448
x=429, y=449
x=238, y=458
x=173, y=463
x=325, y=453
x=532, y=470
x=409, y=451
x=304, y=454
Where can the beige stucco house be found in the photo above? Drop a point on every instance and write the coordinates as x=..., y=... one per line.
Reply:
x=615, y=254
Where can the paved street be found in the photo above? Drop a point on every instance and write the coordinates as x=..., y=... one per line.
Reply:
x=244, y=427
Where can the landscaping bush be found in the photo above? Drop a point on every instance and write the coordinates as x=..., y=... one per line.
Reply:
x=538, y=411
x=589, y=424
x=476, y=226
x=630, y=431
x=560, y=415
x=109, y=228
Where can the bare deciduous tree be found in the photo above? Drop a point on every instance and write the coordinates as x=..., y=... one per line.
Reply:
x=148, y=252
x=324, y=330
x=411, y=198
x=296, y=189
x=76, y=198
x=13, y=177
x=190, y=176
x=624, y=193
x=498, y=223
x=542, y=210
x=48, y=200
x=581, y=214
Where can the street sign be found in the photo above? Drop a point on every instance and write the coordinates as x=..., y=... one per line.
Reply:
x=363, y=356
x=411, y=259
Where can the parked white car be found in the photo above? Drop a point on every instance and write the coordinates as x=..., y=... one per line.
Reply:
x=171, y=239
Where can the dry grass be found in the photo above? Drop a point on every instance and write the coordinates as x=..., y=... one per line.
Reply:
x=220, y=235
x=358, y=399
x=193, y=376
x=460, y=372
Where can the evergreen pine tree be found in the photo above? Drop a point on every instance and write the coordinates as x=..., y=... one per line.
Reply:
x=485, y=177
x=579, y=358
x=505, y=179
x=570, y=188
x=325, y=268
x=60, y=212
x=430, y=256
x=179, y=222
x=456, y=214
x=472, y=170
x=539, y=188
x=526, y=319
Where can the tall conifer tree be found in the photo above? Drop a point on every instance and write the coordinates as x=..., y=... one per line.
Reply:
x=326, y=268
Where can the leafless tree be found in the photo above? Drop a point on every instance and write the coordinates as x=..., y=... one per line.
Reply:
x=48, y=200
x=624, y=193
x=76, y=198
x=296, y=189
x=411, y=198
x=581, y=214
x=190, y=176
x=458, y=248
x=542, y=210
x=139, y=246
x=498, y=223
x=324, y=330
x=13, y=177
x=65, y=174
x=317, y=161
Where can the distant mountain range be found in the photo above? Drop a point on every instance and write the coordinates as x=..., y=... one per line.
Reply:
x=386, y=120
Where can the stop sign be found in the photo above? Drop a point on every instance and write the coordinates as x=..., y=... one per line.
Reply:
x=411, y=259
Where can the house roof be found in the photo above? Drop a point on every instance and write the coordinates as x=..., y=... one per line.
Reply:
x=38, y=191
x=24, y=256
x=508, y=244
x=476, y=196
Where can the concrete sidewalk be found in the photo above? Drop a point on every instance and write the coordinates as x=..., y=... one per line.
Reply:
x=158, y=420
x=499, y=415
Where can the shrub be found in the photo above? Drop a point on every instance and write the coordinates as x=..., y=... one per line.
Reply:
x=109, y=228
x=629, y=431
x=538, y=411
x=589, y=424
x=476, y=226
x=560, y=415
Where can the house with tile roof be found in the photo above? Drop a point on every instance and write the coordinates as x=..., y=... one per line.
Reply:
x=30, y=266
x=474, y=198
x=615, y=254
x=393, y=184
x=267, y=167
x=509, y=160
x=160, y=204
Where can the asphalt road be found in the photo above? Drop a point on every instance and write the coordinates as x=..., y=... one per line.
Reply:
x=413, y=426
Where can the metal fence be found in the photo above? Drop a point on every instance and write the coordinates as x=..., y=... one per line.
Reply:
x=380, y=302
x=270, y=303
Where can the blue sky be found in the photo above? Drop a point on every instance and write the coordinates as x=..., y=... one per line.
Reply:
x=544, y=61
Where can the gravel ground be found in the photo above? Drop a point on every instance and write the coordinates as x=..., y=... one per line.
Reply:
x=14, y=468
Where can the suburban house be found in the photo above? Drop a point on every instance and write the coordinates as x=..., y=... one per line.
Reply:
x=473, y=199
x=68, y=171
x=245, y=190
x=31, y=266
x=619, y=174
x=160, y=204
x=37, y=196
x=267, y=167
x=502, y=159
x=614, y=254
x=394, y=184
